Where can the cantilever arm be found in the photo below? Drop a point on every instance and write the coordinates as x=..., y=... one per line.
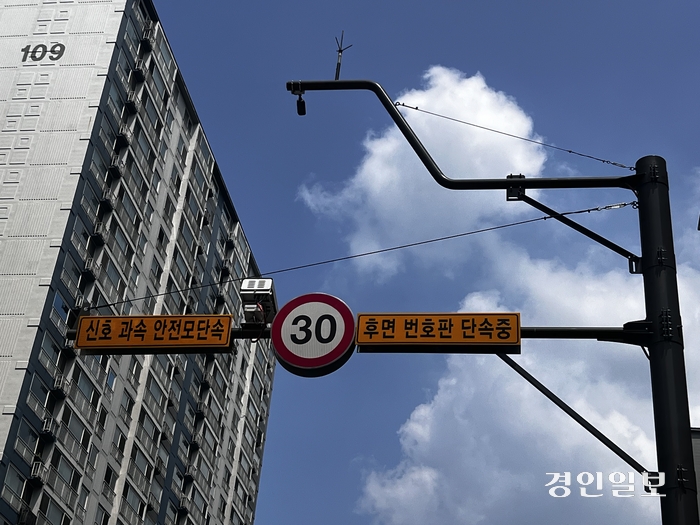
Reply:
x=298, y=87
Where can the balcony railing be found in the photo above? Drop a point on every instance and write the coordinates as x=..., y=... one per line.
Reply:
x=82, y=403
x=155, y=407
x=153, y=502
x=160, y=467
x=70, y=283
x=208, y=451
x=37, y=406
x=108, y=492
x=96, y=369
x=138, y=477
x=58, y=321
x=89, y=208
x=167, y=434
x=90, y=469
x=137, y=197
x=147, y=441
x=72, y=445
x=12, y=499
x=117, y=453
x=114, y=293
x=79, y=245
x=182, y=454
x=62, y=489
x=125, y=415
x=125, y=221
x=49, y=364
x=24, y=450
x=161, y=374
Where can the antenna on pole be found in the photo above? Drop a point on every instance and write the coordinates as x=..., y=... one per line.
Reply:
x=340, y=53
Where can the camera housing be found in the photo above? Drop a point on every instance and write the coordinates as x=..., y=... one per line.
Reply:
x=259, y=301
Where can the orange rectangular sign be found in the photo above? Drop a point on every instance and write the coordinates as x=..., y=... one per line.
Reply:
x=153, y=331
x=438, y=329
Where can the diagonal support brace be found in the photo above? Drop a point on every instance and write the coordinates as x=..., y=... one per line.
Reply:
x=573, y=414
x=633, y=260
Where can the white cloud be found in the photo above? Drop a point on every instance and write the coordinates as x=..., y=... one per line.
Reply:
x=392, y=199
x=479, y=450
x=489, y=438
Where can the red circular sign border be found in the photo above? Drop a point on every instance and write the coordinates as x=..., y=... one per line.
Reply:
x=345, y=345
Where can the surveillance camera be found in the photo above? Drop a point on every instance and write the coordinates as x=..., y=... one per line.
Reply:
x=259, y=301
x=301, y=106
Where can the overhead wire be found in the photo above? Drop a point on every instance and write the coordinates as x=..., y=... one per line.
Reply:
x=533, y=141
x=379, y=251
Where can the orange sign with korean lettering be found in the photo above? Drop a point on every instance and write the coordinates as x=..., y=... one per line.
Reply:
x=438, y=329
x=153, y=331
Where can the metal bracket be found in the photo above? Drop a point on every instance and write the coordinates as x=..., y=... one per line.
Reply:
x=295, y=87
x=515, y=193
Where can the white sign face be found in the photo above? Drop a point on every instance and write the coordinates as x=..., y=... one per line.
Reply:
x=313, y=334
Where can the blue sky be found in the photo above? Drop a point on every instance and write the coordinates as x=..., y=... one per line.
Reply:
x=435, y=439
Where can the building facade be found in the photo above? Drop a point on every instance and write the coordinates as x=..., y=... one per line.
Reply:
x=111, y=202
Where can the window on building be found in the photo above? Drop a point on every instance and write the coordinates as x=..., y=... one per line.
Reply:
x=86, y=386
x=128, y=207
x=165, y=54
x=83, y=499
x=131, y=37
x=52, y=511
x=40, y=392
x=139, y=459
x=111, y=379
x=102, y=516
x=69, y=474
x=76, y=427
x=149, y=427
x=51, y=352
x=133, y=499
x=15, y=483
x=28, y=435
x=134, y=372
x=154, y=389
x=115, y=102
x=126, y=405
x=61, y=307
x=162, y=241
x=101, y=421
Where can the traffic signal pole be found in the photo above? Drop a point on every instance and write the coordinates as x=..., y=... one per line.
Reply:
x=668, y=378
x=660, y=331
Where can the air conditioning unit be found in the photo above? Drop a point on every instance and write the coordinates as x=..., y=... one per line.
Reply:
x=116, y=166
x=133, y=103
x=79, y=301
x=139, y=70
x=148, y=40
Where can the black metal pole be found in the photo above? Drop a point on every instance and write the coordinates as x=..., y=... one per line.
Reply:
x=668, y=379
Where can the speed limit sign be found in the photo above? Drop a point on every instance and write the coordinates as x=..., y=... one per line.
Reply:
x=313, y=335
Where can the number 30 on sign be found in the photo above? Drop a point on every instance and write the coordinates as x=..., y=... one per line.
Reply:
x=313, y=335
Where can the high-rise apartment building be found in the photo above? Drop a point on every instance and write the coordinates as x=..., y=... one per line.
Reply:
x=111, y=202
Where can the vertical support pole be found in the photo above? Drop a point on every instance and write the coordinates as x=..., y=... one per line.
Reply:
x=668, y=378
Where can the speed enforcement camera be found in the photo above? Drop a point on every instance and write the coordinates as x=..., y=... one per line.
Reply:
x=259, y=301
